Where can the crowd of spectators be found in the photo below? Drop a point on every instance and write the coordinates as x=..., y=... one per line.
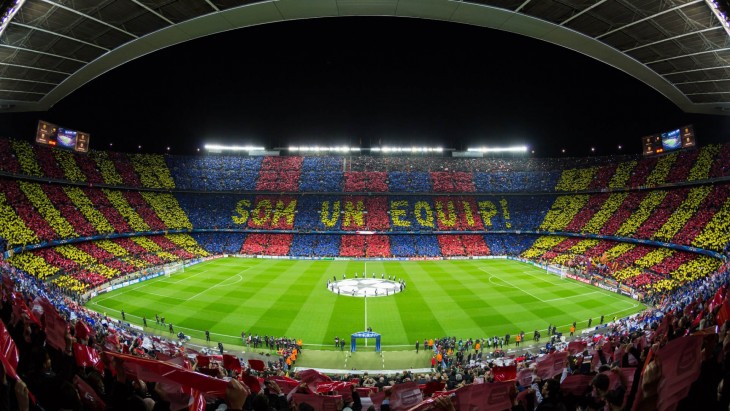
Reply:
x=57, y=355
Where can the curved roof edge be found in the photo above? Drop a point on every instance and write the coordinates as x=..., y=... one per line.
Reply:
x=445, y=10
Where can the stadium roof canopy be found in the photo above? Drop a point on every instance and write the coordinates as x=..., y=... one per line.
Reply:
x=679, y=47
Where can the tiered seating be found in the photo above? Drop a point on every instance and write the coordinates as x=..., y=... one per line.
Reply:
x=85, y=164
x=124, y=169
x=414, y=246
x=267, y=244
x=143, y=209
x=506, y=244
x=68, y=210
x=152, y=171
x=220, y=243
x=576, y=179
x=279, y=174
x=452, y=182
x=321, y=174
x=8, y=161
x=215, y=173
x=623, y=174
x=366, y=181
x=661, y=170
x=26, y=158
x=641, y=172
x=682, y=166
x=602, y=178
x=315, y=246
x=108, y=171
x=409, y=182
x=102, y=203
x=49, y=165
x=721, y=167
x=695, y=225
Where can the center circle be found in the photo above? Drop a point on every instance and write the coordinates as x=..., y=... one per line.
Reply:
x=366, y=287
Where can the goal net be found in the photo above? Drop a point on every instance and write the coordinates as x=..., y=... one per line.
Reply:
x=172, y=268
x=557, y=270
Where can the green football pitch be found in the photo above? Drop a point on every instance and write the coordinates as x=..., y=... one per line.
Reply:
x=462, y=298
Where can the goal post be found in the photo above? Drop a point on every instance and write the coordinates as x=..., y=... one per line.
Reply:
x=557, y=270
x=173, y=268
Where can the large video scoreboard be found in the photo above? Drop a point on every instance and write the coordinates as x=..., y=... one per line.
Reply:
x=52, y=135
x=683, y=137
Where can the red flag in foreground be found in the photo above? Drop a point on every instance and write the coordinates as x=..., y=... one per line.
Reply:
x=552, y=365
x=55, y=326
x=87, y=356
x=404, y=396
x=577, y=384
x=577, y=347
x=8, y=352
x=525, y=377
x=231, y=363
x=89, y=397
x=158, y=371
x=312, y=378
x=680, y=366
x=489, y=396
x=506, y=373
x=257, y=365
x=253, y=383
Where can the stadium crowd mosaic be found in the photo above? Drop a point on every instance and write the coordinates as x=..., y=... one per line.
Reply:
x=69, y=223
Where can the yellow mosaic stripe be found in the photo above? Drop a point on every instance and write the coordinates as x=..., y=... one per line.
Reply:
x=168, y=209
x=121, y=252
x=12, y=227
x=87, y=209
x=45, y=208
x=68, y=164
x=541, y=245
x=563, y=211
x=33, y=264
x=716, y=234
x=607, y=210
x=150, y=245
x=576, y=179
x=152, y=170
x=622, y=175
x=660, y=172
x=28, y=163
x=702, y=166
x=188, y=243
x=130, y=216
x=646, y=207
x=85, y=260
x=107, y=169
x=682, y=214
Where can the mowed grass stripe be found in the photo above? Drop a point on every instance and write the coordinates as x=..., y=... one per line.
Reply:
x=463, y=298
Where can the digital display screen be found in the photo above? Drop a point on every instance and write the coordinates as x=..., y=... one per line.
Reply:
x=52, y=135
x=671, y=140
x=683, y=137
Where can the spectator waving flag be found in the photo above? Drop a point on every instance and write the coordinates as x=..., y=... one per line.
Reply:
x=55, y=326
x=8, y=352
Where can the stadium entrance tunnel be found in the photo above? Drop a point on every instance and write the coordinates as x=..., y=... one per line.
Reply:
x=366, y=287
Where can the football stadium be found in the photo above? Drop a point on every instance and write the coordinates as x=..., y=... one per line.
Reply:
x=369, y=276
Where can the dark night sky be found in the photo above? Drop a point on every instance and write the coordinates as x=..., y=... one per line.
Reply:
x=368, y=81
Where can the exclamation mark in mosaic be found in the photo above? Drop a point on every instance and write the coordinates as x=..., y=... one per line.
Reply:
x=505, y=213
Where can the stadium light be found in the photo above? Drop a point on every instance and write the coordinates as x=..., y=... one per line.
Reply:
x=323, y=149
x=720, y=14
x=414, y=149
x=513, y=149
x=220, y=147
x=9, y=14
